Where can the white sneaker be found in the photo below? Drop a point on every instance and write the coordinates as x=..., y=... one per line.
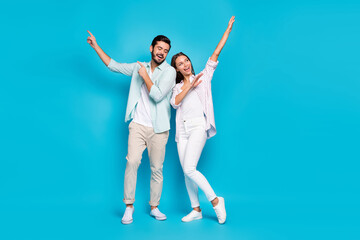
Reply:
x=193, y=215
x=220, y=210
x=157, y=214
x=127, y=218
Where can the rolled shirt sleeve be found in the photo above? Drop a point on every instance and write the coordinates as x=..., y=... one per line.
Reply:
x=164, y=86
x=176, y=90
x=124, y=68
x=209, y=69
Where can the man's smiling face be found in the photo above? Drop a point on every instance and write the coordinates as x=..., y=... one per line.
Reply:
x=159, y=52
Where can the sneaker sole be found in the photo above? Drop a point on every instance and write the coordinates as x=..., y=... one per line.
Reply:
x=158, y=218
x=222, y=222
x=197, y=218
x=126, y=222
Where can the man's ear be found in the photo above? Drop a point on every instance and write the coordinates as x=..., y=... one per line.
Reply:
x=151, y=48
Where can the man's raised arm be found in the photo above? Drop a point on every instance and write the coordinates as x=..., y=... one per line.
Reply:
x=124, y=68
x=92, y=42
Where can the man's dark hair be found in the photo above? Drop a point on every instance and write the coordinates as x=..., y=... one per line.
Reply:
x=161, y=38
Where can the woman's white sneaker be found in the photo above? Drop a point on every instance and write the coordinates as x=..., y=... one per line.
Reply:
x=193, y=215
x=157, y=214
x=220, y=210
x=127, y=218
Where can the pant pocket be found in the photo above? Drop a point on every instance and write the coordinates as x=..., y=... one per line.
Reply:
x=194, y=123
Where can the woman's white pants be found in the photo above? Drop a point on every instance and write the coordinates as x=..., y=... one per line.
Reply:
x=192, y=138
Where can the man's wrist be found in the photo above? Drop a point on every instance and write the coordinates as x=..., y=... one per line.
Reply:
x=143, y=75
x=96, y=46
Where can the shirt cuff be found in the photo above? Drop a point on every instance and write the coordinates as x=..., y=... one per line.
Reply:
x=212, y=64
x=177, y=93
x=111, y=64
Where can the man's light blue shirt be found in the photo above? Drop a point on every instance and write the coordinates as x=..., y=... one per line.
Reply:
x=163, y=78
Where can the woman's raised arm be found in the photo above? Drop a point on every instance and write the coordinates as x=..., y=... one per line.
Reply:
x=223, y=40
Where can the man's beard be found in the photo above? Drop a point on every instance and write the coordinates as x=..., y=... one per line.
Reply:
x=153, y=58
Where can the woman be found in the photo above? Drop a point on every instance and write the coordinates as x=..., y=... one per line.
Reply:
x=195, y=123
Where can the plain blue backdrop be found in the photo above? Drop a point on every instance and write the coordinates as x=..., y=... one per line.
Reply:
x=286, y=97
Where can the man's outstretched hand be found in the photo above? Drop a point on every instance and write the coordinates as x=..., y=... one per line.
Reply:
x=91, y=40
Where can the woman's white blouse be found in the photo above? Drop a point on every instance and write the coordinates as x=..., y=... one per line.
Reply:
x=191, y=106
x=203, y=91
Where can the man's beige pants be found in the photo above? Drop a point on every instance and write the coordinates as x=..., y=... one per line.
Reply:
x=141, y=137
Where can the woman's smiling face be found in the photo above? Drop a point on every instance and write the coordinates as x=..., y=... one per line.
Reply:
x=183, y=65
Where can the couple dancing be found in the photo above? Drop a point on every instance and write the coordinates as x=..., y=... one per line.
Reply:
x=154, y=86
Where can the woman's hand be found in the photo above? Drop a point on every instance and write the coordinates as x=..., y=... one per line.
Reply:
x=196, y=81
x=232, y=20
x=186, y=88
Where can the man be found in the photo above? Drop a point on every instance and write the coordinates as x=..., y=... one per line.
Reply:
x=149, y=109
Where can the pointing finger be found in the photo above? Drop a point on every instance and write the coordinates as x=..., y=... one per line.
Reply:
x=140, y=64
x=90, y=33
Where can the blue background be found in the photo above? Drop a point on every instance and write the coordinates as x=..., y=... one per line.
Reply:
x=286, y=97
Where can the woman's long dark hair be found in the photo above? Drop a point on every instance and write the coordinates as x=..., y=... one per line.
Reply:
x=179, y=76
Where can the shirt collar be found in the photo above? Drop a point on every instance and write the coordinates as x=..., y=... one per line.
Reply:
x=161, y=66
